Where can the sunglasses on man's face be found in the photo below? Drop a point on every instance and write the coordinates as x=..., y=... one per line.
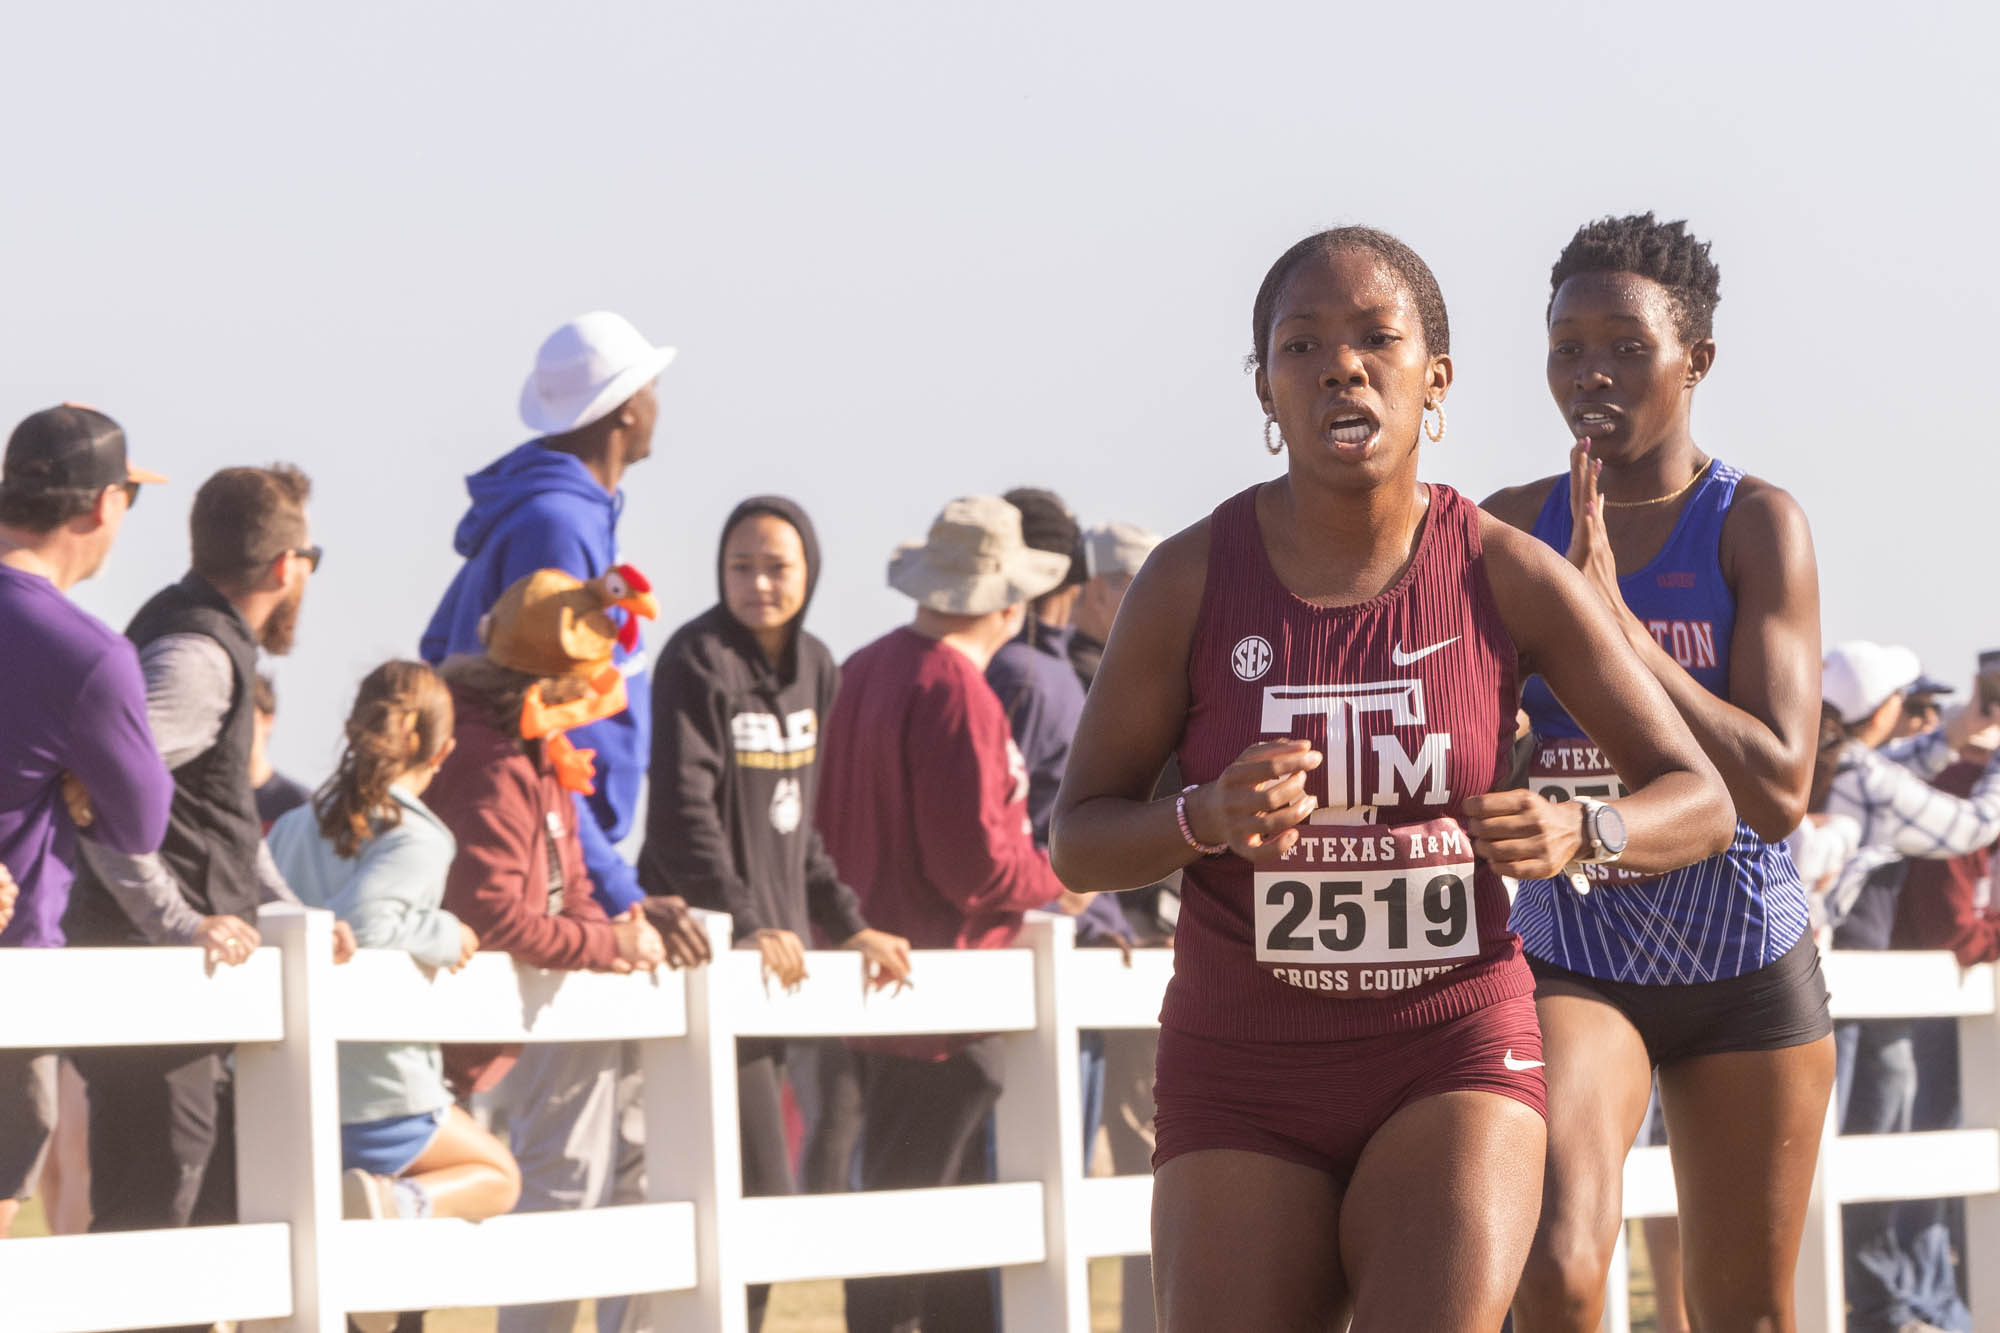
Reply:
x=310, y=554
x=131, y=489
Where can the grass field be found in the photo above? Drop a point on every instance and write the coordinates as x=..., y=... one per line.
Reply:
x=814, y=1307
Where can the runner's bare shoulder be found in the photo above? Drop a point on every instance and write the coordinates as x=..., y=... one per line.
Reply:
x=1517, y=506
x=1169, y=586
x=1765, y=528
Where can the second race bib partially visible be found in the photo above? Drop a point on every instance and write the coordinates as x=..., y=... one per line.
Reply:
x=1365, y=910
x=1567, y=767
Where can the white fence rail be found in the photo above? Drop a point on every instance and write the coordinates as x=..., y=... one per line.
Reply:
x=294, y=1263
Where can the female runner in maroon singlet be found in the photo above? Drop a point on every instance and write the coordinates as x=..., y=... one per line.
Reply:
x=1349, y=1087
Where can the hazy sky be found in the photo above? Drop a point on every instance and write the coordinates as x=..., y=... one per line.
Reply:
x=918, y=250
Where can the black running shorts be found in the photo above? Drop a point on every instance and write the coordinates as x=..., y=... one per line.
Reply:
x=1781, y=1004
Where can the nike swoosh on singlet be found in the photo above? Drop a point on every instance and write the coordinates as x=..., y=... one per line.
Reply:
x=1401, y=658
x=1516, y=1064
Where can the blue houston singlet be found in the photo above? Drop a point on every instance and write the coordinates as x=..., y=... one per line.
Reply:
x=1718, y=918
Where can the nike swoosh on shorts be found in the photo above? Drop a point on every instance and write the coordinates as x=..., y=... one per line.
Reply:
x=1516, y=1064
x=1401, y=658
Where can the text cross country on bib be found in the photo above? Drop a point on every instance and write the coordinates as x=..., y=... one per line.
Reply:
x=1368, y=910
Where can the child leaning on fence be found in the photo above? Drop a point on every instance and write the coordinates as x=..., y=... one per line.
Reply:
x=519, y=879
x=368, y=849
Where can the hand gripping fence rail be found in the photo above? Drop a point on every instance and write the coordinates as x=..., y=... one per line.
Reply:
x=293, y=1263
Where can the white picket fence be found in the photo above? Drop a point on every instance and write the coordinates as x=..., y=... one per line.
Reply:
x=294, y=1263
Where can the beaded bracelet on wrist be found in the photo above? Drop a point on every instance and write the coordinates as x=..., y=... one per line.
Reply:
x=1187, y=829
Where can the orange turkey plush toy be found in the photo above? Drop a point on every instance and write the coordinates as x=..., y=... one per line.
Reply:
x=552, y=624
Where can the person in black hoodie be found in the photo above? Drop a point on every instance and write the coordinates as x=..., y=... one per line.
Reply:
x=738, y=694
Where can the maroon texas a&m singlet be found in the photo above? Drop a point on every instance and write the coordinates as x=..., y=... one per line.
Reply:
x=1381, y=918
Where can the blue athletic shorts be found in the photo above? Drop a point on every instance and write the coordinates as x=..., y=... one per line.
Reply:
x=387, y=1147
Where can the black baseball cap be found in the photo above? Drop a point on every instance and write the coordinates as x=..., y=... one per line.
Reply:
x=1929, y=686
x=71, y=447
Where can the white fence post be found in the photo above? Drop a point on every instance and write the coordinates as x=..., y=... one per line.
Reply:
x=1039, y=1136
x=1819, y=1283
x=1979, y=1081
x=1617, y=1316
x=694, y=1150
x=288, y=1117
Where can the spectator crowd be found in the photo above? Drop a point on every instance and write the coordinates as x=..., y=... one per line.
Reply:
x=900, y=800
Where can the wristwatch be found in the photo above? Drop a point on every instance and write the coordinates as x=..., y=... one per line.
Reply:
x=1604, y=835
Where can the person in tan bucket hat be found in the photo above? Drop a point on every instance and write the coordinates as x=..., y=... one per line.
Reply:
x=924, y=807
x=974, y=562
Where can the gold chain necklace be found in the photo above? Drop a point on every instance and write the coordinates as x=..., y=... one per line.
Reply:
x=1700, y=472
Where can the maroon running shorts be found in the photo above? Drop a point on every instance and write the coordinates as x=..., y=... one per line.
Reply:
x=1318, y=1103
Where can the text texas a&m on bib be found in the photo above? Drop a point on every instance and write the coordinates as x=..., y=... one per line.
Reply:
x=1368, y=910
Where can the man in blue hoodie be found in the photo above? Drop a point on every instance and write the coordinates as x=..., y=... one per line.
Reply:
x=553, y=503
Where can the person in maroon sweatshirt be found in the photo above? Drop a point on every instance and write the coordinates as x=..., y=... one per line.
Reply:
x=507, y=793
x=923, y=805
x=1948, y=904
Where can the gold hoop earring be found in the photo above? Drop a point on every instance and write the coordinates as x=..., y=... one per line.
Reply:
x=1437, y=434
x=1271, y=423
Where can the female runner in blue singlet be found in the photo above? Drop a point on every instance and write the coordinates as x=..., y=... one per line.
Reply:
x=1708, y=973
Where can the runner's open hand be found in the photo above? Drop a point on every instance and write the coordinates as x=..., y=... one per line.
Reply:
x=1523, y=834
x=1589, y=541
x=9, y=893
x=1257, y=802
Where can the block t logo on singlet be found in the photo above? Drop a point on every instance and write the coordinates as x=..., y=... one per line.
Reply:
x=1386, y=909
x=1348, y=798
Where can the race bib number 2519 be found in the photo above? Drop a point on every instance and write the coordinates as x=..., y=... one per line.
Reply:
x=1364, y=914
x=1373, y=916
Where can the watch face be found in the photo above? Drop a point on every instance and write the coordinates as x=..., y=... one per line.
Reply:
x=1610, y=829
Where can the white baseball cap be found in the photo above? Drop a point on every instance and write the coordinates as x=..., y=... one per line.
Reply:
x=587, y=369
x=1857, y=677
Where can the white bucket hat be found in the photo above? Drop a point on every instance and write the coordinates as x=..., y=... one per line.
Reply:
x=586, y=369
x=974, y=561
x=1857, y=677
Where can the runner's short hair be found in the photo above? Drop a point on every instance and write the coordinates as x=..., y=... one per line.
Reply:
x=1407, y=264
x=1664, y=251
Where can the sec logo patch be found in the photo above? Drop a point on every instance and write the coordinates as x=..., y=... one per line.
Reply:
x=1251, y=657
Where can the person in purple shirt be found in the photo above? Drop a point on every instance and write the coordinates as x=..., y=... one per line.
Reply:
x=74, y=747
